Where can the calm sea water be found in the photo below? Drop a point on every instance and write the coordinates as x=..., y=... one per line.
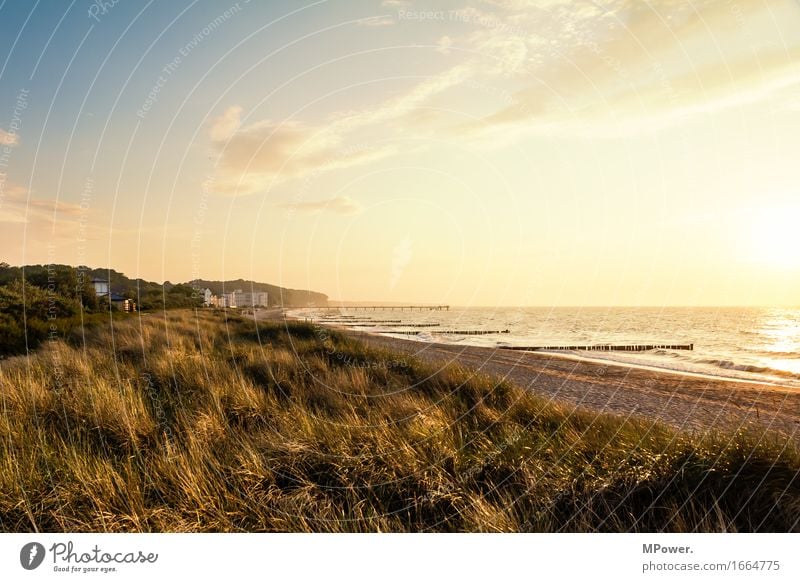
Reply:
x=760, y=344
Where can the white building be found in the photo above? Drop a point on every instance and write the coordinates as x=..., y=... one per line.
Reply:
x=254, y=299
x=229, y=300
x=100, y=287
x=235, y=299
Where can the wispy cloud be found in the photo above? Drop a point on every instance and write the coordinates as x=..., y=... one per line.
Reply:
x=445, y=43
x=252, y=157
x=224, y=126
x=16, y=206
x=32, y=225
x=377, y=21
x=601, y=68
x=7, y=138
x=620, y=66
x=336, y=205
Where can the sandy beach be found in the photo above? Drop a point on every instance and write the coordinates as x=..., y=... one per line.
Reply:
x=688, y=402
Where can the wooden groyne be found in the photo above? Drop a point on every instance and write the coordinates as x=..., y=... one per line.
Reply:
x=473, y=332
x=454, y=332
x=362, y=321
x=396, y=325
x=604, y=347
x=411, y=325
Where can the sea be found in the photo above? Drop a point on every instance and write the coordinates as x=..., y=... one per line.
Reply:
x=751, y=343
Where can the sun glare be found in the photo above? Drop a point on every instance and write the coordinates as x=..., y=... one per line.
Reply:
x=776, y=238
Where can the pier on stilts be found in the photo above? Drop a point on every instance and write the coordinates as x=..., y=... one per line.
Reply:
x=387, y=308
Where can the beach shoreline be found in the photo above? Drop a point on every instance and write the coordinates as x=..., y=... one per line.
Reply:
x=753, y=344
x=573, y=355
x=683, y=400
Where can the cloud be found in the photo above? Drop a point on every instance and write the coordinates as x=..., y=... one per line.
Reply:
x=226, y=125
x=445, y=43
x=620, y=66
x=268, y=147
x=16, y=206
x=377, y=21
x=34, y=226
x=398, y=107
x=603, y=68
x=253, y=157
x=336, y=205
x=265, y=153
x=9, y=139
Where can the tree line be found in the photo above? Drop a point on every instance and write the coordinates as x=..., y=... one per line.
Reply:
x=40, y=302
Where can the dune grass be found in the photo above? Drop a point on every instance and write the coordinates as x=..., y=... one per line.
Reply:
x=204, y=422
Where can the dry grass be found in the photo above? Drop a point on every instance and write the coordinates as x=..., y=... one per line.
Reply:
x=184, y=422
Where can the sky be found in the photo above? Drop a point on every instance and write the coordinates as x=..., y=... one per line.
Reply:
x=465, y=152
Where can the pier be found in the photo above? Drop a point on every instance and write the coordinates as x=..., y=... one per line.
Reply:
x=604, y=347
x=390, y=307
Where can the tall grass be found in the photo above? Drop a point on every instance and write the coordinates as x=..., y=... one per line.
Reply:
x=202, y=422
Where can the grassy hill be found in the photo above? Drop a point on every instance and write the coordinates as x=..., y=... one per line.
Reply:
x=74, y=281
x=40, y=302
x=184, y=422
x=47, y=302
x=277, y=295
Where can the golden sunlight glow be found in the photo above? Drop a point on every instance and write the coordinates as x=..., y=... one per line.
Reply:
x=776, y=238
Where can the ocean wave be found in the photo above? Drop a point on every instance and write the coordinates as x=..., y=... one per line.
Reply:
x=688, y=359
x=778, y=354
x=750, y=368
x=708, y=366
x=727, y=343
x=668, y=353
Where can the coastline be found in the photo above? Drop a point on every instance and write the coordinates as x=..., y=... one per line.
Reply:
x=756, y=344
x=683, y=400
x=572, y=355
